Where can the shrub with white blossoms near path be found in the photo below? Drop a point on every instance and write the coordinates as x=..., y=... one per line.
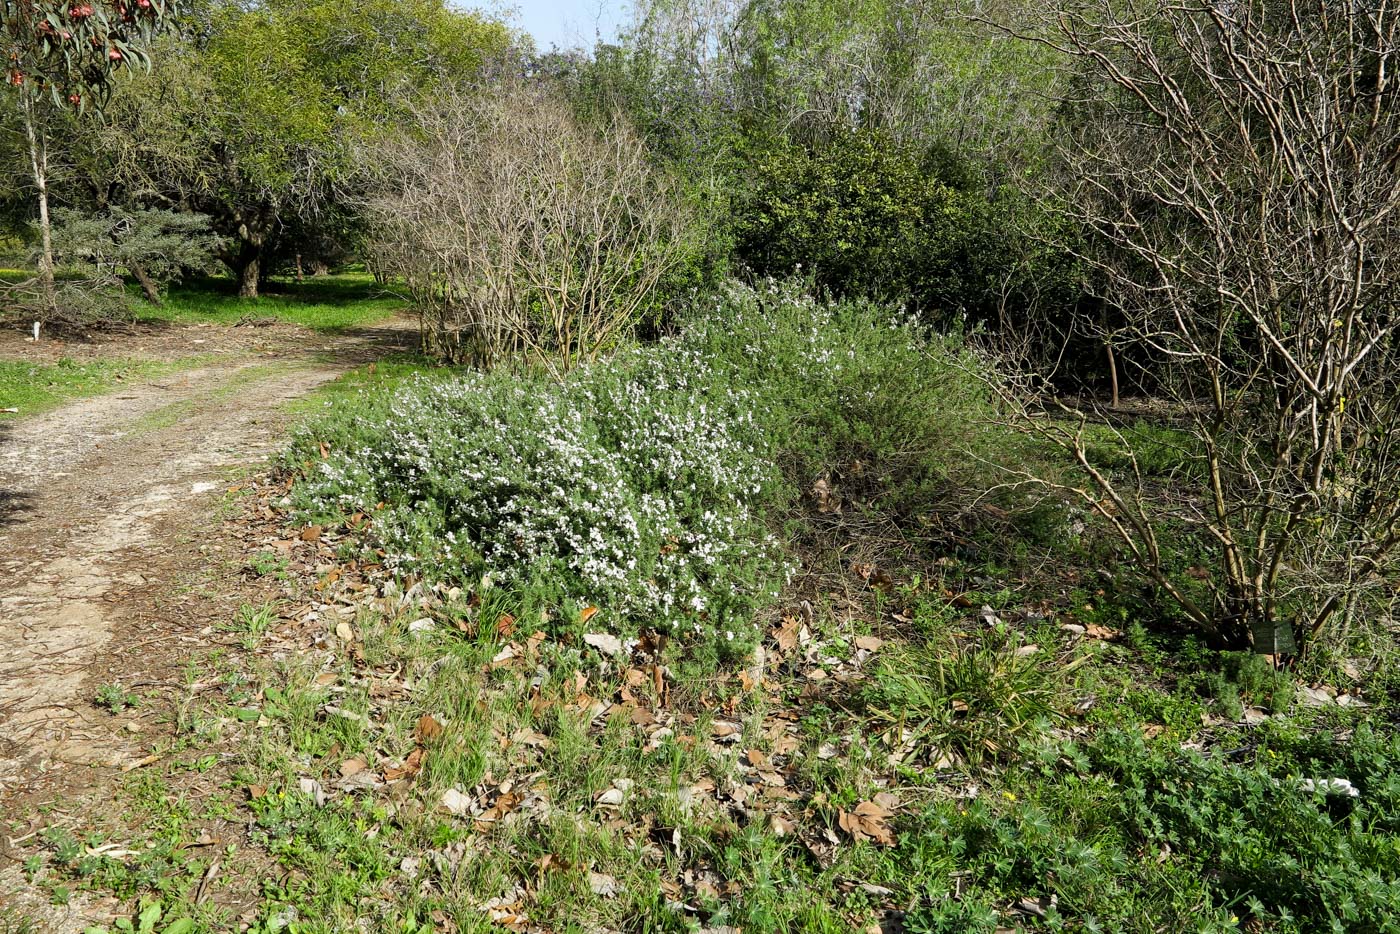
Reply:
x=636, y=486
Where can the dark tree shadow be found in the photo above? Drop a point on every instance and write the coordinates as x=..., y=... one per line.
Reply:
x=366, y=343
x=13, y=503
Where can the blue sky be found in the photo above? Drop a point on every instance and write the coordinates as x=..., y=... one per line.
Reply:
x=569, y=23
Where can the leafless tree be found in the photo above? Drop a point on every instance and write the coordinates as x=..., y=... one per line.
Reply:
x=518, y=230
x=1236, y=164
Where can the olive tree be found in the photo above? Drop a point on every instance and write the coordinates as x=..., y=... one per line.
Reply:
x=1235, y=165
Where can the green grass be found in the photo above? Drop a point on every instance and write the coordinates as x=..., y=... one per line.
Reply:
x=327, y=303
x=252, y=622
x=382, y=375
x=36, y=387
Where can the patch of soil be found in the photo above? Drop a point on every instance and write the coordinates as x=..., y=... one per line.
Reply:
x=102, y=512
x=157, y=341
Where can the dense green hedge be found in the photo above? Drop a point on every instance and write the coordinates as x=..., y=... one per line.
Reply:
x=862, y=214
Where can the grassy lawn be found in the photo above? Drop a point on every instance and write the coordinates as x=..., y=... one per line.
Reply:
x=327, y=303
x=35, y=387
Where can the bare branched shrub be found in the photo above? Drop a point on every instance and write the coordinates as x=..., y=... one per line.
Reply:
x=1236, y=164
x=518, y=230
x=95, y=299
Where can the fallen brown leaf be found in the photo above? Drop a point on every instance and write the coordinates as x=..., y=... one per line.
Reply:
x=411, y=766
x=867, y=822
x=786, y=635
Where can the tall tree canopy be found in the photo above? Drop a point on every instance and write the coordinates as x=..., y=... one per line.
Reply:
x=67, y=54
x=253, y=118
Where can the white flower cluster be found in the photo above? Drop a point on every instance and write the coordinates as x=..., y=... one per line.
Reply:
x=636, y=485
x=693, y=453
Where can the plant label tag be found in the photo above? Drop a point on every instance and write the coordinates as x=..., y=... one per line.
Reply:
x=1273, y=638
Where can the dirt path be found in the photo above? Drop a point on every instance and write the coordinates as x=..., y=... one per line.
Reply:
x=101, y=506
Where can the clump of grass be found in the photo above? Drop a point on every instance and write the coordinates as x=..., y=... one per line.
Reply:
x=1247, y=679
x=973, y=697
x=252, y=623
x=269, y=564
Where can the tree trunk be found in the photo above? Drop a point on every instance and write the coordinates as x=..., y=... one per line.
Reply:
x=148, y=285
x=247, y=268
x=1112, y=373
x=248, y=278
x=39, y=165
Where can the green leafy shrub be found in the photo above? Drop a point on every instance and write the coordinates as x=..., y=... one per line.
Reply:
x=854, y=395
x=867, y=215
x=860, y=213
x=649, y=484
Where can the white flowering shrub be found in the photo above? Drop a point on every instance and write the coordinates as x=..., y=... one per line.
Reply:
x=649, y=484
x=638, y=486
